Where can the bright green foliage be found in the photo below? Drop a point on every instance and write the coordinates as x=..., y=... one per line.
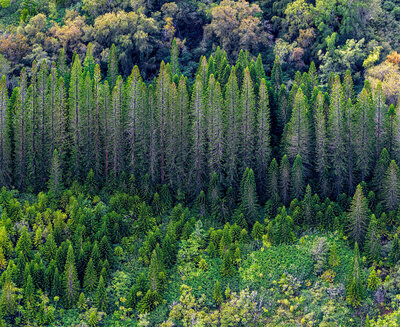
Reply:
x=71, y=282
x=355, y=289
x=282, y=228
x=394, y=254
x=217, y=294
x=101, y=297
x=391, y=190
x=372, y=241
x=90, y=279
x=373, y=280
x=249, y=198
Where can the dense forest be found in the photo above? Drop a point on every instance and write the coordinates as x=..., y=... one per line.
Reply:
x=199, y=163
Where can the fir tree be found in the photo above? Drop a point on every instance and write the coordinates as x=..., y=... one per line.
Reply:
x=55, y=179
x=379, y=116
x=175, y=69
x=297, y=178
x=90, y=279
x=355, y=289
x=357, y=216
x=363, y=131
x=391, y=184
x=112, y=68
x=5, y=146
x=372, y=241
x=217, y=294
x=71, y=282
x=284, y=171
x=394, y=254
x=248, y=124
x=273, y=178
x=336, y=142
x=297, y=132
x=232, y=117
x=263, y=147
x=101, y=297
x=199, y=135
x=282, y=228
x=249, y=198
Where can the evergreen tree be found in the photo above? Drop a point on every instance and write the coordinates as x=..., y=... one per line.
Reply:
x=285, y=179
x=175, y=69
x=101, y=297
x=24, y=245
x=297, y=178
x=5, y=146
x=379, y=172
x=162, y=94
x=248, y=123
x=117, y=127
x=321, y=146
x=283, y=114
x=391, y=120
x=217, y=294
x=249, y=199
x=391, y=185
x=55, y=178
x=199, y=135
x=75, y=111
x=215, y=126
x=263, y=146
x=394, y=254
x=112, y=68
x=363, y=130
x=282, y=228
x=357, y=216
x=336, y=142
x=355, y=289
x=232, y=118
x=90, y=279
x=379, y=116
x=372, y=241
x=273, y=178
x=71, y=282
x=297, y=132
x=21, y=141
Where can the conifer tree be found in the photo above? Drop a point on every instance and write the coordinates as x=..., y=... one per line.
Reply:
x=199, y=135
x=107, y=129
x=357, y=216
x=101, y=297
x=248, y=122
x=55, y=178
x=112, y=68
x=162, y=95
x=282, y=228
x=71, y=282
x=263, y=140
x=51, y=99
x=87, y=123
x=217, y=294
x=232, y=117
x=363, y=131
x=348, y=87
x=24, y=245
x=249, y=199
x=391, y=184
x=297, y=132
x=321, y=146
x=297, y=178
x=215, y=126
x=390, y=123
x=336, y=142
x=284, y=172
x=348, y=132
x=75, y=110
x=116, y=146
x=175, y=69
x=43, y=120
x=380, y=170
x=182, y=133
x=90, y=279
x=89, y=63
x=283, y=114
x=394, y=254
x=372, y=241
x=273, y=178
x=379, y=116
x=355, y=289
x=276, y=75
x=308, y=206
x=97, y=122
x=135, y=114
x=5, y=146
x=21, y=141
